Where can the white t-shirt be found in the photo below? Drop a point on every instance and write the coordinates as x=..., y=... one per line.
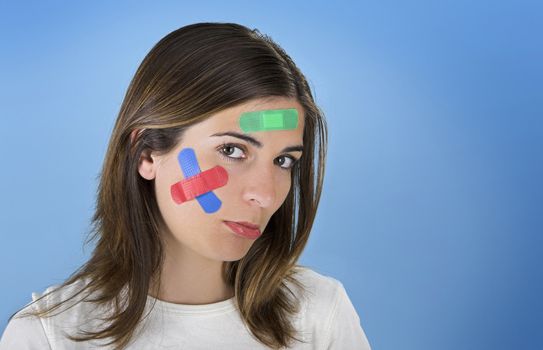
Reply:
x=327, y=320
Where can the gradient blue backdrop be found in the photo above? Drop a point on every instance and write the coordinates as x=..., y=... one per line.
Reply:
x=432, y=213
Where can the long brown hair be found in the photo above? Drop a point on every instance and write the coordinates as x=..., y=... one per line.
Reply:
x=190, y=74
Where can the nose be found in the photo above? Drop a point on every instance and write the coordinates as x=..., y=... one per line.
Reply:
x=260, y=187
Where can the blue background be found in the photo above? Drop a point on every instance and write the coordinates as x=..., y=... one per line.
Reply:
x=432, y=213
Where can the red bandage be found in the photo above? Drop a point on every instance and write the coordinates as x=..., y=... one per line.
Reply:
x=206, y=181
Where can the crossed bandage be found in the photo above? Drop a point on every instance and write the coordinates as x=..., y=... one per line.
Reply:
x=198, y=184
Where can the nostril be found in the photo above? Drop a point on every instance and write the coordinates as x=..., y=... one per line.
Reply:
x=256, y=201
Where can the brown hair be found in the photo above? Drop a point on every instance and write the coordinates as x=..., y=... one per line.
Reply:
x=190, y=74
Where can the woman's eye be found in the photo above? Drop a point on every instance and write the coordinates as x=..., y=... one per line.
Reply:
x=232, y=151
x=286, y=162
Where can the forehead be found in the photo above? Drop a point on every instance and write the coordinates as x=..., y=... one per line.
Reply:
x=229, y=119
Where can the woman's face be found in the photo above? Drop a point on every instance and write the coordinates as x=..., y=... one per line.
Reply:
x=259, y=179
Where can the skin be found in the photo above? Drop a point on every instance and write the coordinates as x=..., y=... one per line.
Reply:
x=196, y=243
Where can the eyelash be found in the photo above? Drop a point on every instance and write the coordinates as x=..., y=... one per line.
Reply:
x=230, y=159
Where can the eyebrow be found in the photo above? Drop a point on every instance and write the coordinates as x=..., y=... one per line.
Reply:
x=256, y=143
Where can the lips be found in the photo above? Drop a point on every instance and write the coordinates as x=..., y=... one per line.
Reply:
x=248, y=224
x=244, y=229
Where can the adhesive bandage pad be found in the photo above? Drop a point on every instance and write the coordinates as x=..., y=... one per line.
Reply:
x=190, y=168
x=272, y=119
x=206, y=181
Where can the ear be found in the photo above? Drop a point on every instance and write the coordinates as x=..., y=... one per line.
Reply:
x=146, y=162
x=147, y=165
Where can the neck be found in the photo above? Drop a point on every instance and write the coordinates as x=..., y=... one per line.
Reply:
x=189, y=278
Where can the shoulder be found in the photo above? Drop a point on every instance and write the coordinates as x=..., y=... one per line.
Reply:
x=24, y=333
x=320, y=293
x=328, y=315
x=317, y=284
x=72, y=316
x=73, y=308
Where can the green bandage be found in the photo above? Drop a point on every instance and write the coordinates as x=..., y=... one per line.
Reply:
x=272, y=119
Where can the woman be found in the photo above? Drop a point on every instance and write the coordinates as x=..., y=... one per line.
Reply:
x=206, y=200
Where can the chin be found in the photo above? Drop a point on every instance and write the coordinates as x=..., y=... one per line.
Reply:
x=230, y=255
x=234, y=256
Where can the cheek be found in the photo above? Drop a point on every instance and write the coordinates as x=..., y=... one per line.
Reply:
x=283, y=187
x=230, y=193
x=184, y=218
x=165, y=201
x=168, y=207
x=192, y=176
x=288, y=184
